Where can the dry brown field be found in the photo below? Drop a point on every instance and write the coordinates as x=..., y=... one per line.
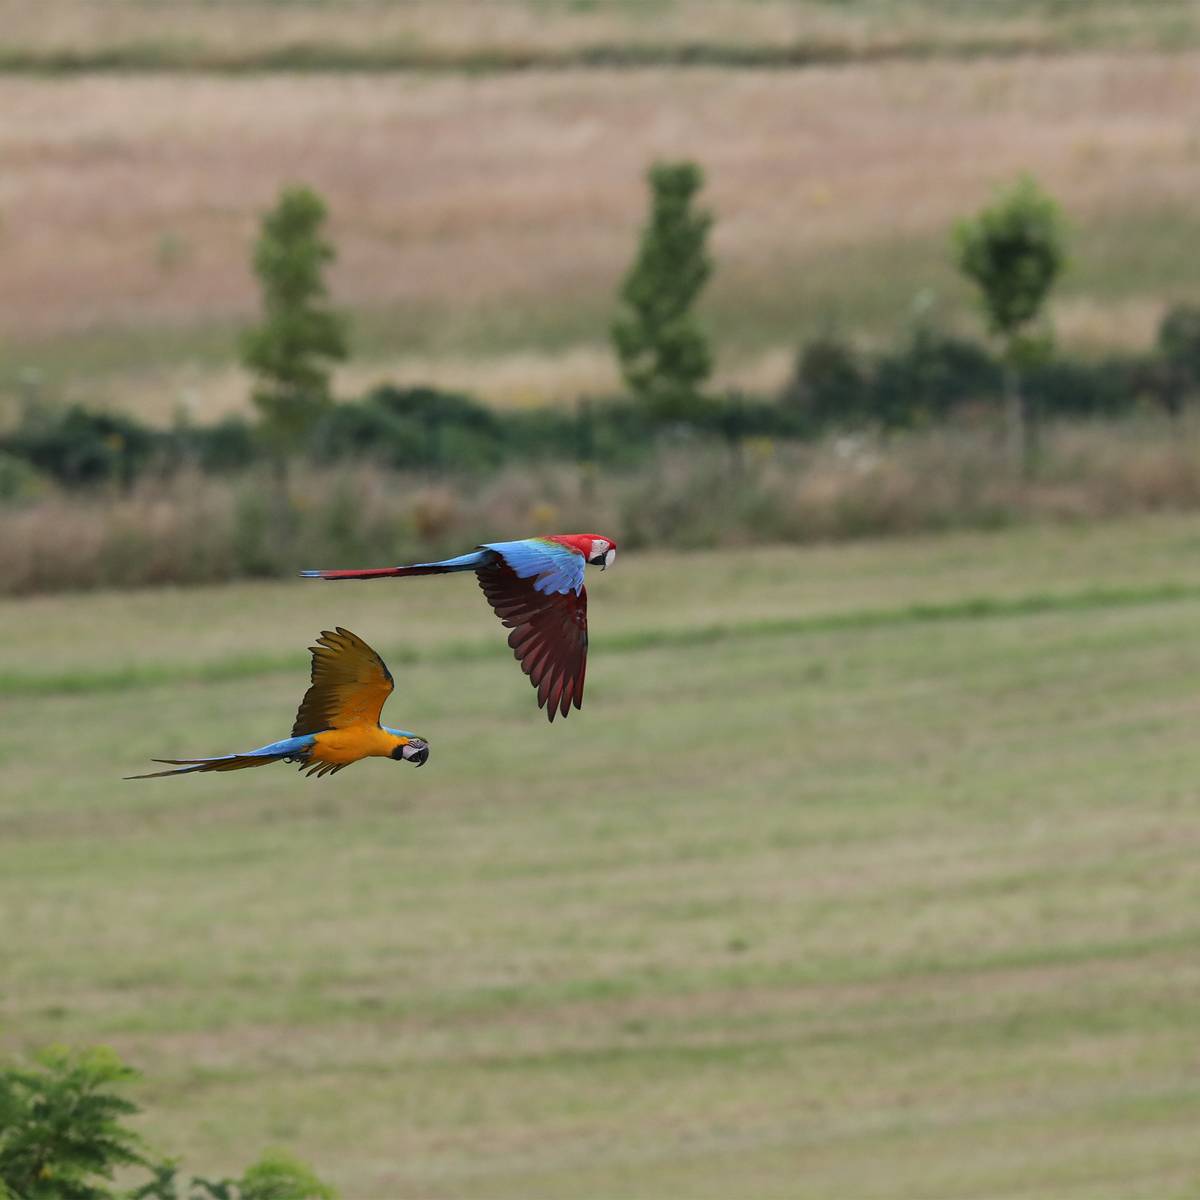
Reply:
x=483, y=222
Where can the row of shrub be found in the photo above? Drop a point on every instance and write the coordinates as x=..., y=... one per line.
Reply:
x=191, y=527
x=420, y=429
x=935, y=374
x=834, y=386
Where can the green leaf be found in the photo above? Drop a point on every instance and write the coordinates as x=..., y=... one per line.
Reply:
x=277, y=1176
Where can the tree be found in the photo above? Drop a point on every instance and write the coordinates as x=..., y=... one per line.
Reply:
x=300, y=337
x=1179, y=349
x=63, y=1136
x=663, y=353
x=1014, y=251
x=828, y=383
x=61, y=1127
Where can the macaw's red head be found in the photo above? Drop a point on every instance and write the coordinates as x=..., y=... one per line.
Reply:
x=598, y=551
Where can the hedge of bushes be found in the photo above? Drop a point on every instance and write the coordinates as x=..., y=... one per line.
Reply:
x=922, y=382
x=934, y=374
x=409, y=429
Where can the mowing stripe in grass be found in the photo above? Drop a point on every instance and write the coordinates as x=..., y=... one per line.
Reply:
x=170, y=56
x=1171, y=27
x=977, y=608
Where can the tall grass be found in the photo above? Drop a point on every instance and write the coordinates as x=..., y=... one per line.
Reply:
x=192, y=529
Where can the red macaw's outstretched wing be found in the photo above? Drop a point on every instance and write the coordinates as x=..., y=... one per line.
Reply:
x=350, y=683
x=549, y=626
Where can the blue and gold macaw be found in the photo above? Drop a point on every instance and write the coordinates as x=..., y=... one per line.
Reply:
x=337, y=722
x=535, y=586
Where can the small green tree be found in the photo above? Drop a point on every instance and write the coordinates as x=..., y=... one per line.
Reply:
x=1014, y=251
x=61, y=1126
x=664, y=355
x=300, y=337
x=63, y=1136
x=829, y=384
x=1179, y=351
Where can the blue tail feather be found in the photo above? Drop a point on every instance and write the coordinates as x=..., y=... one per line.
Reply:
x=293, y=747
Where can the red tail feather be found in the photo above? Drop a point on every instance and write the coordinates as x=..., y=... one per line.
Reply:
x=376, y=573
x=371, y=573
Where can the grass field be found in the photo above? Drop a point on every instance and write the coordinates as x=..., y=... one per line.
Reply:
x=865, y=872
x=483, y=222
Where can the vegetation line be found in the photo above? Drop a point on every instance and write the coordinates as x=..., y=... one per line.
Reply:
x=970, y=609
x=17, y=683
x=169, y=56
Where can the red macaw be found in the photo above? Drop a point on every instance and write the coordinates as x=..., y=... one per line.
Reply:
x=337, y=722
x=536, y=588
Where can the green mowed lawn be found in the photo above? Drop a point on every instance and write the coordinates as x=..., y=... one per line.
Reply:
x=901, y=904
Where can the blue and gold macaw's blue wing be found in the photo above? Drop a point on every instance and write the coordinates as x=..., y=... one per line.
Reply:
x=350, y=684
x=293, y=749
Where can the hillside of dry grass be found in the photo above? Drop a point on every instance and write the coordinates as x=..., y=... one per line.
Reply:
x=483, y=222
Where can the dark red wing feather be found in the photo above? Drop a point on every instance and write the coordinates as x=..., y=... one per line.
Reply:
x=549, y=634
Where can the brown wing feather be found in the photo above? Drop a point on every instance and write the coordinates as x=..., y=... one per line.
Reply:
x=350, y=684
x=549, y=634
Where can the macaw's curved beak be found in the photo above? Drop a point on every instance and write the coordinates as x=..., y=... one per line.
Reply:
x=416, y=752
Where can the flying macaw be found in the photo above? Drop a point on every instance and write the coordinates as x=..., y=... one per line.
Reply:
x=337, y=722
x=536, y=588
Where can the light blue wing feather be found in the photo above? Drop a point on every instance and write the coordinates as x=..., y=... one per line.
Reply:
x=553, y=567
x=464, y=562
x=292, y=745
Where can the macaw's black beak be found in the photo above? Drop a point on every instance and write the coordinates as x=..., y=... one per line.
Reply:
x=598, y=560
x=415, y=751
